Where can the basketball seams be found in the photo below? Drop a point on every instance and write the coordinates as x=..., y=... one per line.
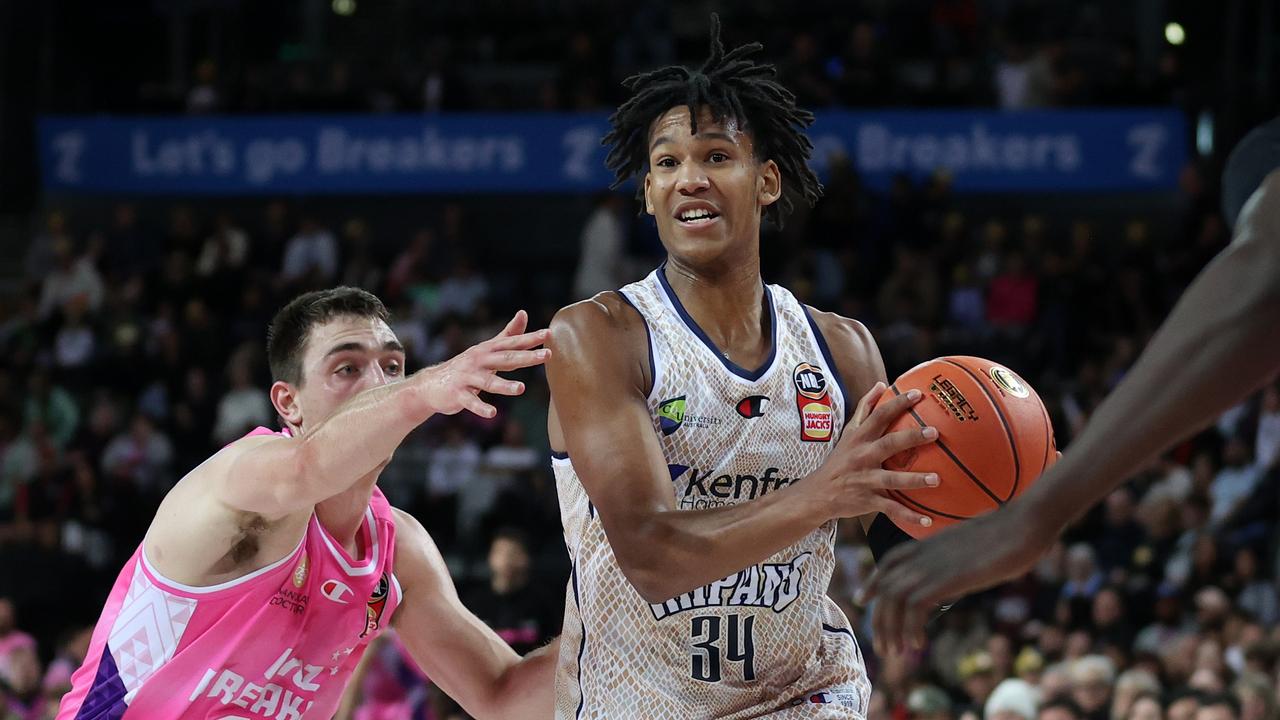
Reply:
x=908, y=500
x=1013, y=446
x=943, y=447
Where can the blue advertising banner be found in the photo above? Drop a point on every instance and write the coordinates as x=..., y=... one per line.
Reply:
x=985, y=151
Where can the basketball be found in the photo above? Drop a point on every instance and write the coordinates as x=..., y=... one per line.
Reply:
x=994, y=438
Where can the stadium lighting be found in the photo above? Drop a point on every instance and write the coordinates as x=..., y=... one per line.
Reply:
x=1173, y=32
x=344, y=7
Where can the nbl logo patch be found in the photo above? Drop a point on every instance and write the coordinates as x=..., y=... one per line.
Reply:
x=813, y=402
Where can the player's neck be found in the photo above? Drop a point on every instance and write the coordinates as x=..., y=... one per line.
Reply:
x=727, y=304
x=342, y=514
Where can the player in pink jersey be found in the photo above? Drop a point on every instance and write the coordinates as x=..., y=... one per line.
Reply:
x=270, y=567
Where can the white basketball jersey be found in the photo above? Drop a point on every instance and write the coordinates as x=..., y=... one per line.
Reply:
x=766, y=639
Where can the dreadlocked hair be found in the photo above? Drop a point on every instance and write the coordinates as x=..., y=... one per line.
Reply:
x=731, y=86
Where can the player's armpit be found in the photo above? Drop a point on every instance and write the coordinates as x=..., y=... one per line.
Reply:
x=454, y=648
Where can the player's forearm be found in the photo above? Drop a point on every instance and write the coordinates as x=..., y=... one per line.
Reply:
x=672, y=552
x=1219, y=344
x=528, y=689
x=360, y=435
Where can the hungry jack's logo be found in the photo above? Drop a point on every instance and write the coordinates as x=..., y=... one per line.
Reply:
x=813, y=402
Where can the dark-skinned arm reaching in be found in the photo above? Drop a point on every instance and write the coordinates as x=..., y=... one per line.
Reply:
x=1219, y=344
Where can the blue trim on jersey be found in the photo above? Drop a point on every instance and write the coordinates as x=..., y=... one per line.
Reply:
x=843, y=631
x=648, y=336
x=829, y=360
x=591, y=509
x=582, y=644
x=693, y=326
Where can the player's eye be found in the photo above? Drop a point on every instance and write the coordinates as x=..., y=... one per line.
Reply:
x=393, y=368
x=666, y=162
x=345, y=370
x=718, y=157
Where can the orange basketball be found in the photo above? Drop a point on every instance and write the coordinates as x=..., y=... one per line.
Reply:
x=994, y=438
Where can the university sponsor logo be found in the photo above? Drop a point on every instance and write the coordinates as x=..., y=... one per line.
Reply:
x=712, y=488
x=767, y=585
x=673, y=415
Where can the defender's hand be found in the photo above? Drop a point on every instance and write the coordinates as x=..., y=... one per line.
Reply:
x=914, y=578
x=455, y=385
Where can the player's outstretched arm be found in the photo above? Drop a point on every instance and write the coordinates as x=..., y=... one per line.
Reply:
x=1219, y=344
x=598, y=388
x=275, y=476
x=454, y=648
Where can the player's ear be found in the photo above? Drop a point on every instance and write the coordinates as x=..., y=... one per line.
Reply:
x=284, y=397
x=769, y=183
x=648, y=202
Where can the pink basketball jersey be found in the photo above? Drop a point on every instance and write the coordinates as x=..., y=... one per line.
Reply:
x=280, y=642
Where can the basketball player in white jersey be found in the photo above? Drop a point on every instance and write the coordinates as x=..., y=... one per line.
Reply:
x=699, y=418
x=269, y=568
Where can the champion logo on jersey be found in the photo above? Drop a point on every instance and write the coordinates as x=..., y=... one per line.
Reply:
x=752, y=407
x=336, y=590
x=671, y=415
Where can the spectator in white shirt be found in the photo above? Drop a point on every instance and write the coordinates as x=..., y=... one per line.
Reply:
x=1234, y=482
x=226, y=249
x=462, y=292
x=603, y=245
x=72, y=277
x=243, y=407
x=1267, y=442
x=310, y=256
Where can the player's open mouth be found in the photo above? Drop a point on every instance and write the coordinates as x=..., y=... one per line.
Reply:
x=697, y=217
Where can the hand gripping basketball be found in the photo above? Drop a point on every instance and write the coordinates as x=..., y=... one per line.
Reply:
x=855, y=466
x=455, y=385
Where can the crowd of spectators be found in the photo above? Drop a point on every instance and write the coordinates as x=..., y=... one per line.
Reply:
x=136, y=350
x=572, y=55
